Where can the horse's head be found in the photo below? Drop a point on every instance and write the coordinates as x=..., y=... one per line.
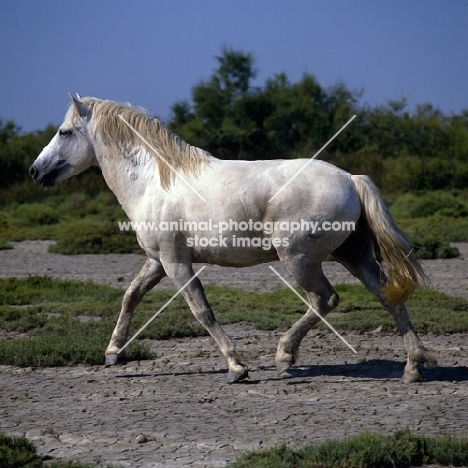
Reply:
x=69, y=152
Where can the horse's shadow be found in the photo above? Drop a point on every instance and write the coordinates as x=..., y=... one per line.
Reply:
x=380, y=369
x=374, y=369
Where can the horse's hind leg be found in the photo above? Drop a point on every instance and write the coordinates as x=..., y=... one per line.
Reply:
x=150, y=275
x=322, y=297
x=356, y=255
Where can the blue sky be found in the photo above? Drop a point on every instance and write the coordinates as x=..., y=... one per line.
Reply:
x=151, y=53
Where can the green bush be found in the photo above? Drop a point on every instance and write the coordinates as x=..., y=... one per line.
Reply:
x=5, y=245
x=402, y=450
x=428, y=204
x=32, y=214
x=432, y=220
x=94, y=237
x=18, y=452
x=430, y=246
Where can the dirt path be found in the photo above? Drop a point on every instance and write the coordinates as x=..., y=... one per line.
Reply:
x=177, y=411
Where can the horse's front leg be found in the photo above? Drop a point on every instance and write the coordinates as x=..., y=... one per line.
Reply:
x=150, y=275
x=194, y=294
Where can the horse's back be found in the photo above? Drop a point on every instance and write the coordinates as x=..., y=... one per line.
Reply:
x=319, y=190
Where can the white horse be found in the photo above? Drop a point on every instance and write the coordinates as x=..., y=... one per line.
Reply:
x=157, y=177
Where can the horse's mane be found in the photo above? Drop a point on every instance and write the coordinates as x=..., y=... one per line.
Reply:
x=170, y=149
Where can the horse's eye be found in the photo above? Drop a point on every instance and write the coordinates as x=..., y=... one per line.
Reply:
x=65, y=133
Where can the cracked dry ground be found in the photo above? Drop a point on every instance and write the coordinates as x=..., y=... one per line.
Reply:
x=176, y=410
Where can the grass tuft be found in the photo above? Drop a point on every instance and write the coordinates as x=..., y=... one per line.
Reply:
x=19, y=452
x=403, y=450
x=5, y=245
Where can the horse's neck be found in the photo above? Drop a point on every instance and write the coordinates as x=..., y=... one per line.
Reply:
x=131, y=178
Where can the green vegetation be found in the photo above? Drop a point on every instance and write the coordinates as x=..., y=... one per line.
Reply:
x=67, y=322
x=433, y=219
x=419, y=159
x=19, y=452
x=401, y=450
x=429, y=310
x=80, y=222
x=5, y=245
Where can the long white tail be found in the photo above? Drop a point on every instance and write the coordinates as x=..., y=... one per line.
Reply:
x=403, y=270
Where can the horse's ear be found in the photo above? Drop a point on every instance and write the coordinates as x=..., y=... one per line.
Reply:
x=82, y=109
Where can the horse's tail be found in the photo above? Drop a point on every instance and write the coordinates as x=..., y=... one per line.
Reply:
x=403, y=270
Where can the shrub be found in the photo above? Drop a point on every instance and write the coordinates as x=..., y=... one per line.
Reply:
x=94, y=237
x=31, y=214
x=18, y=452
x=427, y=204
x=402, y=450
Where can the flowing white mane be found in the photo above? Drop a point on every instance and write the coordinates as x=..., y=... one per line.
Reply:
x=121, y=138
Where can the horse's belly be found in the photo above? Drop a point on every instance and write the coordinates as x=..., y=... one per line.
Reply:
x=236, y=252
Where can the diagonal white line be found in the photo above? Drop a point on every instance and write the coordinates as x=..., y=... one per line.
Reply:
x=314, y=311
x=313, y=157
x=156, y=152
x=161, y=309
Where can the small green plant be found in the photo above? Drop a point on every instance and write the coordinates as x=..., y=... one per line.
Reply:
x=18, y=452
x=5, y=245
x=403, y=450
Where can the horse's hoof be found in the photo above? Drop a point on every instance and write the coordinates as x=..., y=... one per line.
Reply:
x=233, y=378
x=111, y=360
x=282, y=368
x=411, y=378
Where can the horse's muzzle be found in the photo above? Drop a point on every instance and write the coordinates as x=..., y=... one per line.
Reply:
x=49, y=179
x=33, y=172
x=40, y=178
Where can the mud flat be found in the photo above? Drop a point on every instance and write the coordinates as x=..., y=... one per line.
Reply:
x=177, y=410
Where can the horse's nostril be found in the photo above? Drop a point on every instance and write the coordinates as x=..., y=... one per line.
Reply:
x=33, y=172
